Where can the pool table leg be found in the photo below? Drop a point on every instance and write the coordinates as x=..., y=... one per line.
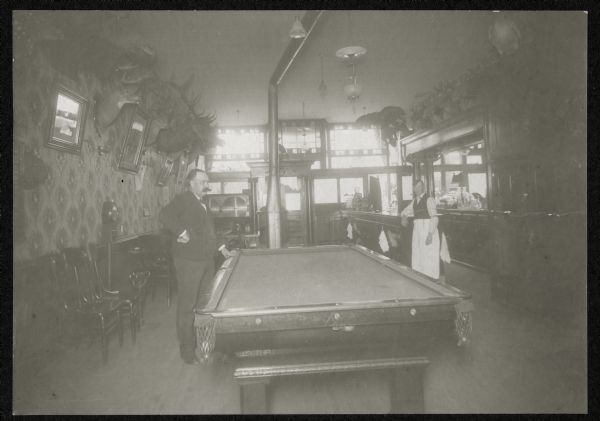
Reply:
x=407, y=395
x=253, y=396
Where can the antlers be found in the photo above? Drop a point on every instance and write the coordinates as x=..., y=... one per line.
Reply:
x=192, y=101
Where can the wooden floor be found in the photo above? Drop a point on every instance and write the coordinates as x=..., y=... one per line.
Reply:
x=516, y=363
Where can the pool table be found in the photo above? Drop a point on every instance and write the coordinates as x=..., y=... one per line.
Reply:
x=269, y=299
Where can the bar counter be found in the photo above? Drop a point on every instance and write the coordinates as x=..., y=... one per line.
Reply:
x=467, y=232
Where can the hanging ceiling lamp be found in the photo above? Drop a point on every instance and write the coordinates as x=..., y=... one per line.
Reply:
x=322, y=86
x=304, y=144
x=351, y=53
x=505, y=35
x=352, y=89
x=297, y=30
x=350, y=56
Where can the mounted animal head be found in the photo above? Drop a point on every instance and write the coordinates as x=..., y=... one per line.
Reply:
x=131, y=71
x=391, y=120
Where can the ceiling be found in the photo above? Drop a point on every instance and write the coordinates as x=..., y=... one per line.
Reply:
x=234, y=53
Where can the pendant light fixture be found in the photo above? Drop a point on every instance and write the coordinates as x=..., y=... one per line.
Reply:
x=322, y=86
x=352, y=89
x=304, y=144
x=297, y=30
x=350, y=56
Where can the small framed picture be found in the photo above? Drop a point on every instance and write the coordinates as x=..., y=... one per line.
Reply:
x=182, y=170
x=165, y=171
x=133, y=144
x=68, y=120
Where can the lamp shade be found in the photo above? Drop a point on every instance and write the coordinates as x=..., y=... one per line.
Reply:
x=352, y=90
x=297, y=30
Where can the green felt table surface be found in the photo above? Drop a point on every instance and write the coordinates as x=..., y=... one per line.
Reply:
x=316, y=276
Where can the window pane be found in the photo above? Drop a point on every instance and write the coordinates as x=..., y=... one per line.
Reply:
x=437, y=183
x=349, y=186
x=385, y=189
x=292, y=201
x=478, y=188
x=393, y=188
x=290, y=189
x=289, y=183
x=234, y=187
x=240, y=141
x=407, y=187
x=453, y=158
x=358, y=161
x=460, y=189
x=350, y=138
x=325, y=190
x=474, y=159
x=455, y=179
x=300, y=136
x=261, y=192
x=215, y=187
x=394, y=154
x=438, y=162
x=316, y=165
x=228, y=166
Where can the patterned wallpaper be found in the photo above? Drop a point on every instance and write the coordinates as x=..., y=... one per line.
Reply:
x=64, y=211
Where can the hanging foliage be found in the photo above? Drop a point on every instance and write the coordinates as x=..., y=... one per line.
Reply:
x=520, y=79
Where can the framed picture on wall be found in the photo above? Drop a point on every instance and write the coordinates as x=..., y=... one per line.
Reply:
x=182, y=170
x=133, y=144
x=165, y=171
x=69, y=111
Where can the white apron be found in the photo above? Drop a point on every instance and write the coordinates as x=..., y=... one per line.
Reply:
x=425, y=258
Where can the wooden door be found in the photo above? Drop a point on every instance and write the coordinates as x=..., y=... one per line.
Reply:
x=293, y=202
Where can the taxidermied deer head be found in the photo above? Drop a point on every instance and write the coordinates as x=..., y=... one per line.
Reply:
x=131, y=71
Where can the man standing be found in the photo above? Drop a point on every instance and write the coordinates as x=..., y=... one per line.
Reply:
x=194, y=246
x=425, y=237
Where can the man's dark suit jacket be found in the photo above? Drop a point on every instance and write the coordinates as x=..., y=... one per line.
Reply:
x=185, y=212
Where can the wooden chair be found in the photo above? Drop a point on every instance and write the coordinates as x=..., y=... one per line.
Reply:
x=131, y=290
x=80, y=304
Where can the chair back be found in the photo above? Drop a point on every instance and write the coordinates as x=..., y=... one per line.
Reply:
x=98, y=259
x=80, y=269
x=65, y=283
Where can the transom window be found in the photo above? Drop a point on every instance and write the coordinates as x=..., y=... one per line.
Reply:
x=239, y=146
x=240, y=141
x=351, y=146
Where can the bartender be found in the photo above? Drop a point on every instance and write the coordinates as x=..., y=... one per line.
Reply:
x=425, y=237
